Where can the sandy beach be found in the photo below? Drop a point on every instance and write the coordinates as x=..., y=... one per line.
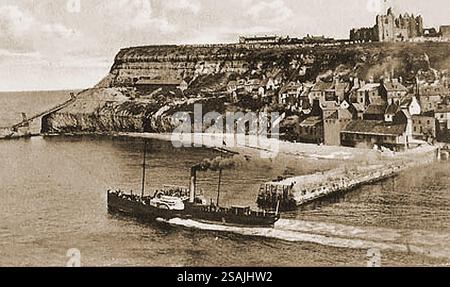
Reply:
x=278, y=148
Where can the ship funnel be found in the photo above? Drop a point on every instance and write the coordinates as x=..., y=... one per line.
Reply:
x=193, y=184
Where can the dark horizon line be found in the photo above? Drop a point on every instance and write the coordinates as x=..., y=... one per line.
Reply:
x=43, y=90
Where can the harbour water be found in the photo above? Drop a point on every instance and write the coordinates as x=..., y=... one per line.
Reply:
x=53, y=198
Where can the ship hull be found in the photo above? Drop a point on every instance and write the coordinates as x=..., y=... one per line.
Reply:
x=148, y=214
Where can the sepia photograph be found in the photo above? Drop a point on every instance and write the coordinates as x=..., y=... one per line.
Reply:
x=224, y=134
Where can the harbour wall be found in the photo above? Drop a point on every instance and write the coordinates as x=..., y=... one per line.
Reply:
x=298, y=191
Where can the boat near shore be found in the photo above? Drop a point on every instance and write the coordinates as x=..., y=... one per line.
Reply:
x=185, y=203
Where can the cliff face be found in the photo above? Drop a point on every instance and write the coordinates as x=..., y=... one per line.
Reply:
x=105, y=110
x=174, y=63
x=119, y=103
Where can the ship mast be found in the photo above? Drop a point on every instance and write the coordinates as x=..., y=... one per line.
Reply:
x=218, y=187
x=143, y=168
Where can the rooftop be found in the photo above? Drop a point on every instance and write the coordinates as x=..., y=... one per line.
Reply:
x=369, y=87
x=375, y=109
x=159, y=82
x=374, y=128
x=333, y=116
x=392, y=109
x=394, y=86
x=359, y=107
x=311, y=121
x=322, y=86
x=443, y=109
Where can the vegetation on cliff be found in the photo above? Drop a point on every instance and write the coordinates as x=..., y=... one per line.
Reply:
x=119, y=104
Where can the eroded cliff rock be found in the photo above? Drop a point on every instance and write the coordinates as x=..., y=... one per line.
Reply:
x=119, y=104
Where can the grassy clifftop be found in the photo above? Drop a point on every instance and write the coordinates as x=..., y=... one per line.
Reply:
x=297, y=63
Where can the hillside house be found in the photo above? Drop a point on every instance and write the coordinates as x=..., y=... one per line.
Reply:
x=290, y=94
x=260, y=40
x=252, y=85
x=430, y=96
x=329, y=108
x=356, y=84
x=360, y=109
x=424, y=128
x=337, y=91
x=232, y=86
x=442, y=115
x=269, y=84
x=392, y=91
x=319, y=90
x=335, y=123
x=368, y=94
x=390, y=112
x=311, y=130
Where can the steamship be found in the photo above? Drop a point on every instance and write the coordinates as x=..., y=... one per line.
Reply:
x=185, y=203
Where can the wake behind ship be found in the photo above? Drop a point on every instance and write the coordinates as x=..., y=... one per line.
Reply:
x=184, y=203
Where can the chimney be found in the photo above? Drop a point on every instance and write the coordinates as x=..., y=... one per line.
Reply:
x=24, y=117
x=193, y=184
x=417, y=86
x=386, y=77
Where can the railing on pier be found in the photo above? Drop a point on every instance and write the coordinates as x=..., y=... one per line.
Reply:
x=15, y=130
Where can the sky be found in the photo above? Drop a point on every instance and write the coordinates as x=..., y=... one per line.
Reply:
x=71, y=44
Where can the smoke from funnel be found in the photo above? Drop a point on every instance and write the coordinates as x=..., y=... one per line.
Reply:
x=222, y=163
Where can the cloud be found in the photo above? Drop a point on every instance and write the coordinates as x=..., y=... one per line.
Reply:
x=58, y=30
x=270, y=11
x=145, y=19
x=193, y=6
x=21, y=32
x=13, y=20
x=14, y=27
x=138, y=15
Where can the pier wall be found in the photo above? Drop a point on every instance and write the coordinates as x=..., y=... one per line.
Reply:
x=298, y=191
x=30, y=128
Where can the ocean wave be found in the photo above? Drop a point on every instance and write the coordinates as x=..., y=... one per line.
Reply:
x=426, y=243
